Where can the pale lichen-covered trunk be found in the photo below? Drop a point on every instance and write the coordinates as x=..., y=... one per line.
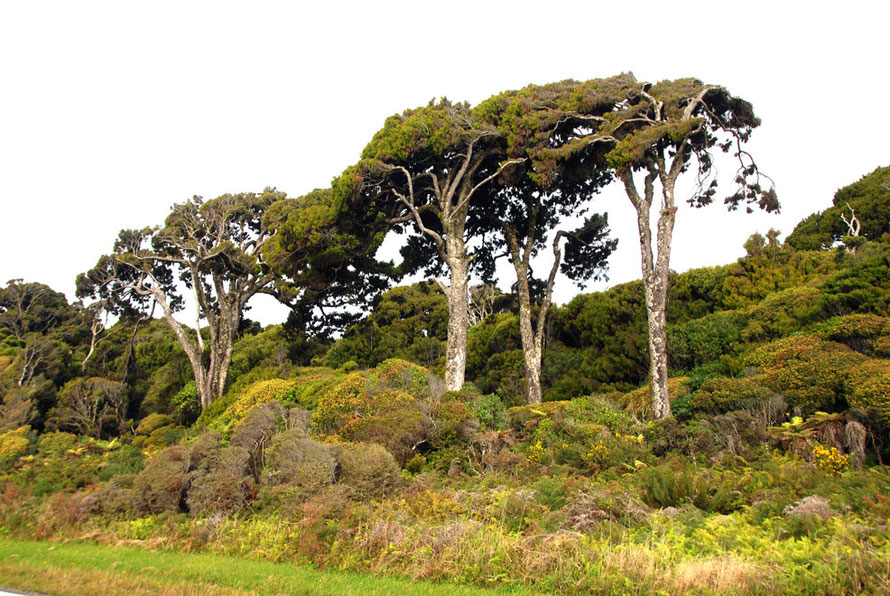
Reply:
x=458, y=313
x=210, y=378
x=656, y=270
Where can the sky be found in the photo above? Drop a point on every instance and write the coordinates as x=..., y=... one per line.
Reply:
x=111, y=112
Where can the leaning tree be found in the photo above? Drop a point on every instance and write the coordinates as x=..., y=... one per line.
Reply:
x=216, y=251
x=654, y=134
x=420, y=173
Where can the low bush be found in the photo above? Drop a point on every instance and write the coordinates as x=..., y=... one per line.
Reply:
x=639, y=401
x=859, y=332
x=297, y=467
x=152, y=422
x=353, y=411
x=13, y=445
x=257, y=393
x=721, y=395
x=368, y=470
x=809, y=372
x=162, y=485
x=869, y=386
x=254, y=432
x=225, y=486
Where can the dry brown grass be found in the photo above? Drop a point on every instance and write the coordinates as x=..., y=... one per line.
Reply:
x=722, y=575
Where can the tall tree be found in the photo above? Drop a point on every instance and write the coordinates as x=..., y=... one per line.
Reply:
x=214, y=249
x=534, y=197
x=660, y=131
x=421, y=171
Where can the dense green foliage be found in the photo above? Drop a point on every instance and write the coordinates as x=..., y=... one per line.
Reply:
x=350, y=454
x=870, y=200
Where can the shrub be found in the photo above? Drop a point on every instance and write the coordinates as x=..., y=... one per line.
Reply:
x=521, y=417
x=724, y=395
x=225, y=487
x=259, y=392
x=830, y=459
x=126, y=459
x=597, y=409
x=391, y=417
x=152, y=422
x=162, y=485
x=639, y=401
x=811, y=373
x=13, y=445
x=368, y=470
x=254, y=432
x=869, y=387
x=700, y=341
x=860, y=332
x=402, y=375
x=187, y=404
x=454, y=418
x=783, y=313
x=297, y=467
x=162, y=437
x=489, y=410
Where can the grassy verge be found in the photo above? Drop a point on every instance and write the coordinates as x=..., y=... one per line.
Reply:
x=85, y=568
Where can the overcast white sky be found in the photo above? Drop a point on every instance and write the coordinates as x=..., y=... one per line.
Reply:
x=110, y=112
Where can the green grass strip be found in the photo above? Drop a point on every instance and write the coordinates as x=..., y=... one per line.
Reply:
x=88, y=568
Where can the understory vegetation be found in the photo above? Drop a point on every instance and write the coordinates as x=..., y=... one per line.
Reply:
x=350, y=455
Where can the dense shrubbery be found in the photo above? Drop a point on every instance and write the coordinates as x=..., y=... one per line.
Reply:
x=773, y=458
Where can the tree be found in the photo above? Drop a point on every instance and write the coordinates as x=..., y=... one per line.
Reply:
x=662, y=131
x=325, y=253
x=868, y=198
x=214, y=249
x=90, y=406
x=33, y=308
x=421, y=172
x=535, y=195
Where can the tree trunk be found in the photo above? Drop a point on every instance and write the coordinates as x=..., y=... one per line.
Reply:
x=656, y=303
x=531, y=348
x=655, y=280
x=458, y=315
x=532, y=337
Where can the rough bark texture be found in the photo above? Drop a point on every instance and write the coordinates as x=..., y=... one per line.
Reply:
x=451, y=201
x=532, y=336
x=655, y=269
x=458, y=322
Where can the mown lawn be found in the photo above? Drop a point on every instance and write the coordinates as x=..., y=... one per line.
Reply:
x=87, y=568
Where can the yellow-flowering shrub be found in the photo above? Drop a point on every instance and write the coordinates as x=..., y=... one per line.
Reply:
x=365, y=407
x=598, y=455
x=724, y=395
x=257, y=393
x=830, y=459
x=13, y=445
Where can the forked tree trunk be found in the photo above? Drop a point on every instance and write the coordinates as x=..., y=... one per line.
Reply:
x=656, y=270
x=210, y=379
x=532, y=336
